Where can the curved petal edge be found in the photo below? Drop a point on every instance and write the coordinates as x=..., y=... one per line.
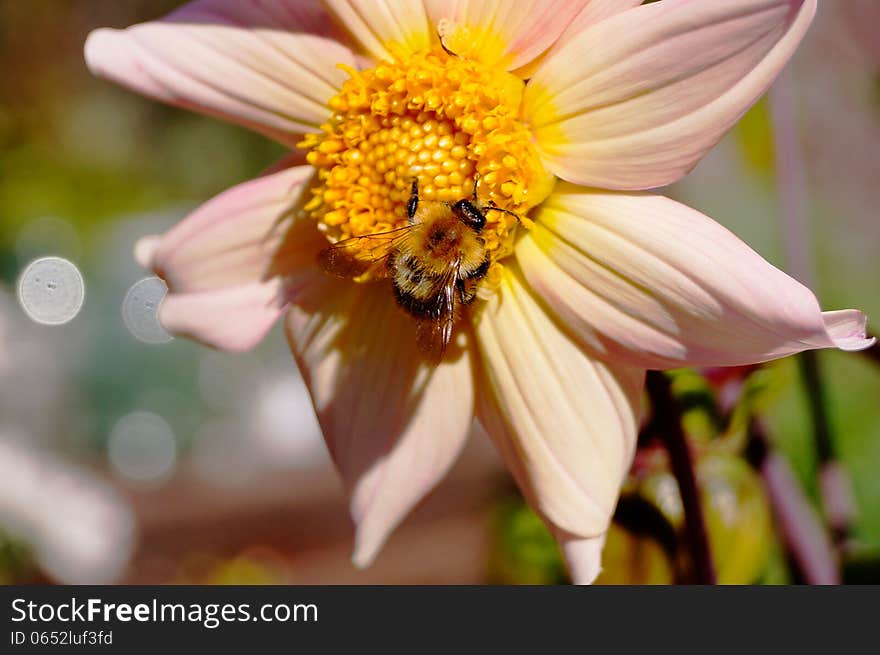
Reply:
x=564, y=422
x=642, y=279
x=655, y=87
x=393, y=425
x=270, y=67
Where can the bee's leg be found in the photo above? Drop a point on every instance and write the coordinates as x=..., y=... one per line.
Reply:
x=413, y=202
x=466, y=293
x=476, y=182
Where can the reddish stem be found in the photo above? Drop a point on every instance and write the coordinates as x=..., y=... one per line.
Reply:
x=667, y=422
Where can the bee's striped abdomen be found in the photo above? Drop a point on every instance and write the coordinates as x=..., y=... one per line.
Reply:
x=416, y=290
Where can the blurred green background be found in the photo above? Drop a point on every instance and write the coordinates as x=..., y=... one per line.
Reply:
x=86, y=168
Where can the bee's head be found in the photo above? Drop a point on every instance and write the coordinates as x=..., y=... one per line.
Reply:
x=474, y=213
x=469, y=214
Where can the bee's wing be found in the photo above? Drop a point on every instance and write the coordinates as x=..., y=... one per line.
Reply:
x=355, y=256
x=433, y=334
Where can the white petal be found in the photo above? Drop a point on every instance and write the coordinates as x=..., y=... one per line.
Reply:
x=270, y=66
x=231, y=264
x=384, y=27
x=233, y=318
x=393, y=425
x=634, y=101
x=592, y=12
x=565, y=423
x=501, y=33
x=646, y=280
x=231, y=238
x=583, y=556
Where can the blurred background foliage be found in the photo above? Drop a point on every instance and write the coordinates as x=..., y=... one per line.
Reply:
x=86, y=168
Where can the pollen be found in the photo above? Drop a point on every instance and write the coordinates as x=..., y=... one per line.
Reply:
x=446, y=121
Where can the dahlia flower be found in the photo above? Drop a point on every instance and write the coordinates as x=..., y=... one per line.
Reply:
x=565, y=111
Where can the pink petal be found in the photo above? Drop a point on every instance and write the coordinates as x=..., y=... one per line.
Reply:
x=393, y=425
x=378, y=24
x=583, y=556
x=593, y=12
x=564, y=423
x=847, y=329
x=505, y=34
x=649, y=281
x=267, y=65
x=230, y=239
x=232, y=318
x=634, y=101
x=220, y=262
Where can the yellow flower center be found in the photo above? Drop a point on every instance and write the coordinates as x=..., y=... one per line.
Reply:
x=438, y=118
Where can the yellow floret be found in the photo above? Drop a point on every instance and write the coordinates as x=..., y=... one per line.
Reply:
x=441, y=119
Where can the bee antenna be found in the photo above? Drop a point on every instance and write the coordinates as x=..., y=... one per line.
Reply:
x=476, y=182
x=493, y=207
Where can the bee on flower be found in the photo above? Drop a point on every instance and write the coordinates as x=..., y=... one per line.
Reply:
x=463, y=229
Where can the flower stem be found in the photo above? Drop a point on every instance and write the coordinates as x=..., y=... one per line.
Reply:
x=800, y=525
x=667, y=421
x=834, y=482
x=793, y=198
x=811, y=374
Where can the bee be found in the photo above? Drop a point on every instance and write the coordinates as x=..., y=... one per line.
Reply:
x=435, y=263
